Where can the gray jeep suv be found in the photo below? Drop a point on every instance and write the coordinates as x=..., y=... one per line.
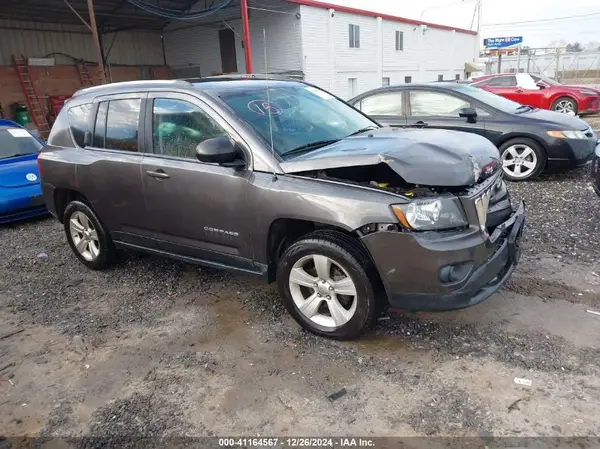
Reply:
x=282, y=180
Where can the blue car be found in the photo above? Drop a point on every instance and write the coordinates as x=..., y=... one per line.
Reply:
x=20, y=192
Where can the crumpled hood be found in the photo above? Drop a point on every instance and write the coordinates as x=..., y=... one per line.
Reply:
x=425, y=157
x=19, y=171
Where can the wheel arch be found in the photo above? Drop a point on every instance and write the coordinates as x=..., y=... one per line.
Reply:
x=62, y=197
x=284, y=231
x=505, y=138
x=562, y=95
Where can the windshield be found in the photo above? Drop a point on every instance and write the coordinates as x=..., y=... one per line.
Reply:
x=17, y=142
x=493, y=100
x=301, y=115
x=550, y=81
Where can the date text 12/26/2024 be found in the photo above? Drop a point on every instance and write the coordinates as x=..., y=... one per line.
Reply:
x=295, y=442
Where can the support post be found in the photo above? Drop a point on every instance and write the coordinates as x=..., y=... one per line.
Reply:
x=499, y=62
x=246, y=27
x=96, y=41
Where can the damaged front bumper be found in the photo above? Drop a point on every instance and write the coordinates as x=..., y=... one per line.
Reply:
x=445, y=271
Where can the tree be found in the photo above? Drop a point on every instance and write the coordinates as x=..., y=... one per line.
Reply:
x=574, y=47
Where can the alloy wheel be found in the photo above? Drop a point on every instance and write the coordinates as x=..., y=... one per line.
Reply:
x=323, y=291
x=519, y=161
x=565, y=107
x=84, y=235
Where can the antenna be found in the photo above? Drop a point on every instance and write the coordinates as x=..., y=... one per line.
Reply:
x=269, y=98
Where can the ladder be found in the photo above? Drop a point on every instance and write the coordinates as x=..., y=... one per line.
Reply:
x=36, y=110
x=84, y=74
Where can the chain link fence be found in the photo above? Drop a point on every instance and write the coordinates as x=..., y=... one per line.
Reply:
x=568, y=68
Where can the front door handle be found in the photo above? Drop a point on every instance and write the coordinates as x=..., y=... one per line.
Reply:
x=158, y=174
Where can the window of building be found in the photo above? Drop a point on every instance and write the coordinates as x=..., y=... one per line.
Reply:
x=457, y=77
x=429, y=103
x=354, y=35
x=399, y=40
x=352, y=87
x=78, y=121
x=179, y=126
x=440, y=77
x=385, y=81
x=389, y=103
x=408, y=79
x=122, y=122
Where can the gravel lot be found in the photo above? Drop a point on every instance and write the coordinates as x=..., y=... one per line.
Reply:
x=154, y=348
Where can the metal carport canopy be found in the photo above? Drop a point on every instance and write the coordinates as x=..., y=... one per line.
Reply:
x=110, y=16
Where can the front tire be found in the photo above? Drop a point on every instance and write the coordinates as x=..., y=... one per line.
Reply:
x=522, y=159
x=88, y=239
x=327, y=283
x=565, y=105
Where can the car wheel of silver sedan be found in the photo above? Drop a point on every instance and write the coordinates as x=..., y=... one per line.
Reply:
x=326, y=282
x=522, y=159
x=88, y=239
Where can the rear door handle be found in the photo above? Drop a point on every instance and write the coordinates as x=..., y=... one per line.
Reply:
x=158, y=174
x=419, y=124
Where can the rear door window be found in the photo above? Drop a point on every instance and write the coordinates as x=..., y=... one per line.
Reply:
x=437, y=104
x=503, y=81
x=100, y=127
x=388, y=103
x=79, y=117
x=117, y=124
x=122, y=124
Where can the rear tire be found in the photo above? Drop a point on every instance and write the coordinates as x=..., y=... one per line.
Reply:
x=88, y=239
x=523, y=159
x=328, y=284
x=564, y=105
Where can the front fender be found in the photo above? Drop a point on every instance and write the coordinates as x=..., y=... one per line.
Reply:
x=293, y=197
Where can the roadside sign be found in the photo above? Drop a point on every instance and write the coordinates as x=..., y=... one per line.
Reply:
x=494, y=43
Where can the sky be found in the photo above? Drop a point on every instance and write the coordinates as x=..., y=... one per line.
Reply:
x=535, y=32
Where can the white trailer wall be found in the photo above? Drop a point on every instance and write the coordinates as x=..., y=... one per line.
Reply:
x=427, y=52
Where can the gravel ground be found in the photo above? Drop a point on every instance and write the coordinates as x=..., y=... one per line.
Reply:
x=153, y=349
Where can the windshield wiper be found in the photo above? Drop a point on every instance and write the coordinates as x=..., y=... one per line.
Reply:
x=310, y=147
x=368, y=128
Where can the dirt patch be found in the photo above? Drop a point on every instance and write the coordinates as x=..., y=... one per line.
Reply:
x=551, y=290
x=450, y=412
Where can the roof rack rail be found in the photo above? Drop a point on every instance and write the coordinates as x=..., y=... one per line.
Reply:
x=133, y=84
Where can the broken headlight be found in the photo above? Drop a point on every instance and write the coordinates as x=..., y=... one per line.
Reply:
x=429, y=215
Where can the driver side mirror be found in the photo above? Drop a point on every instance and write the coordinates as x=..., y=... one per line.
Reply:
x=541, y=85
x=220, y=150
x=469, y=113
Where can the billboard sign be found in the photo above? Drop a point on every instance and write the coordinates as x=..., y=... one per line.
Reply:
x=495, y=43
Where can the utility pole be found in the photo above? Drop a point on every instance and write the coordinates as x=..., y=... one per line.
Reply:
x=519, y=59
x=246, y=28
x=479, y=15
x=94, y=30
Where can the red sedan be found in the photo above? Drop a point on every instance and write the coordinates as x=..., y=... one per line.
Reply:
x=541, y=92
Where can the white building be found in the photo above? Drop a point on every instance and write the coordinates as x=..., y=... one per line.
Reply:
x=344, y=50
